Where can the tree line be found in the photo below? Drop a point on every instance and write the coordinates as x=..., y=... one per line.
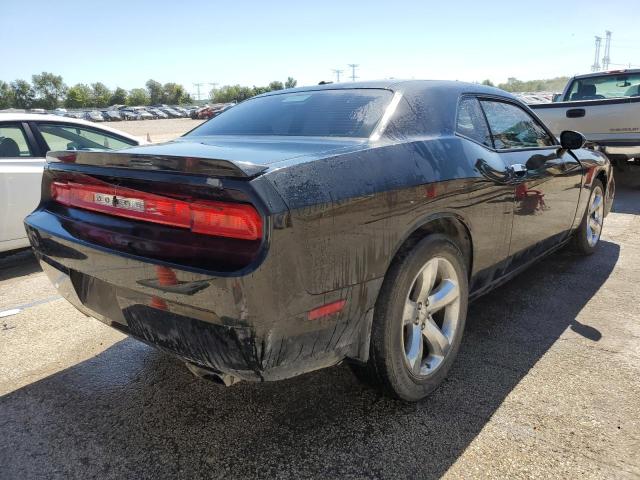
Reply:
x=545, y=85
x=238, y=93
x=47, y=90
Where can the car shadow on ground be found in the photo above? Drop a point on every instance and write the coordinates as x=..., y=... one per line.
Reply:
x=136, y=413
x=17, y=264
x=627, y=190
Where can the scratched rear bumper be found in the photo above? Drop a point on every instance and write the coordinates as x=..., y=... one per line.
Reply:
x=254, y=327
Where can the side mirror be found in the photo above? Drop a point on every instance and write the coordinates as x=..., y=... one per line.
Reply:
x=571, y=140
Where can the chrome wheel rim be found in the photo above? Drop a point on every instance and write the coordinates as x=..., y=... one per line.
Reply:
x=431, y=316
x=595, y=216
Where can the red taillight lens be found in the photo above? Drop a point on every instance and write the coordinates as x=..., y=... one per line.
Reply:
x=207, y=217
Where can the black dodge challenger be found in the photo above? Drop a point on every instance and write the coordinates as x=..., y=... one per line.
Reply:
x=309, y=226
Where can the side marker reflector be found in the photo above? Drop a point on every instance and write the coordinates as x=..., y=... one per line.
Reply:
x=326, y=310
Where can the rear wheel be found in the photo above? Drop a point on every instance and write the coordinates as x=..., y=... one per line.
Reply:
x=587, y=236
x=419, y=319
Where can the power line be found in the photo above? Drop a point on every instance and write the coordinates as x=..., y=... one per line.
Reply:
x=202, y=84
x=337, y=72
x=353, y=71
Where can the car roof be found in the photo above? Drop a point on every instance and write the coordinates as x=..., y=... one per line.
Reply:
x=408, y=87
x=40, y=117
x=610, y=72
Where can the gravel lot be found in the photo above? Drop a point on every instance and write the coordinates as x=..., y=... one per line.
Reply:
x=546, y=385
x=158, y=130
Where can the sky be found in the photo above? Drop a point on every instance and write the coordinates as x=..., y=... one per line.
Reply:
x=125, y=43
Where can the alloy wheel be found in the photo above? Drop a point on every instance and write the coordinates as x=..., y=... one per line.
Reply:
x=595, y=216
x=431, y=316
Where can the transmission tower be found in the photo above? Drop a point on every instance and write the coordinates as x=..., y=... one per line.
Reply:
x=607, y=49
x=198, y=85
x=337, y=72
x=596, y=62
x=353, y=71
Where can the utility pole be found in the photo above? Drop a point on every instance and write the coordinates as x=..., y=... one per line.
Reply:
x=198, y=85
x=607, y=50
x=596, y=62
x=337, y=72
x=353, y=71
x=213, y=85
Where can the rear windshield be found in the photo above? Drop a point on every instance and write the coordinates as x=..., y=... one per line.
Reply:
x=597, y=88
x=325, y=113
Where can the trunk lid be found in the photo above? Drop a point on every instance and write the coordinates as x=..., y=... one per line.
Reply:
x=229, y=156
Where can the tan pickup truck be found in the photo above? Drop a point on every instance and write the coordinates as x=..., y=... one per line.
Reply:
x=604, y=107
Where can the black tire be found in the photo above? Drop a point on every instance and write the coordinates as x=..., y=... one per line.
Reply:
x=581, y=243
x=387, y=367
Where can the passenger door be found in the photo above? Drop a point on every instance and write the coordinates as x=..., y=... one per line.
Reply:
x=546, y=179
x=20, y=179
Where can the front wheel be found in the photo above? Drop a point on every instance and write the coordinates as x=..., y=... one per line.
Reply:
x=587, y=236
x=419, y=319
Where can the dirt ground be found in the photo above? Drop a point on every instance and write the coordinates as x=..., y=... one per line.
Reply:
x=157, y=130
x=545, y=386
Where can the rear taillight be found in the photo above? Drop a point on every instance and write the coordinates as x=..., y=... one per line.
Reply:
x=223, y=219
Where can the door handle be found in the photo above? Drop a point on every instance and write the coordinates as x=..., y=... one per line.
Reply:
x=576, y=112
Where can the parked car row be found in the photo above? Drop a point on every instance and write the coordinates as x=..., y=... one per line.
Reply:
x=118, y=113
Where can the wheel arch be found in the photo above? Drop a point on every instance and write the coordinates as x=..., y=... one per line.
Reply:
x=447, y=223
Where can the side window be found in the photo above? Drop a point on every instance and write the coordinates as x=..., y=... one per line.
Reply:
x=13, y=142
x=72, y=137
x=471, y=123
x=512, y=127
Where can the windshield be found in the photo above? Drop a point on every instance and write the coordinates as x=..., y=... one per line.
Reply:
x=611, y=86
x=325, y=113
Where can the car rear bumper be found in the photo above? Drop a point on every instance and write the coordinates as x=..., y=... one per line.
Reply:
x=254, y=327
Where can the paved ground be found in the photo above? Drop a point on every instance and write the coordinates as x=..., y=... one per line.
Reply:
x=546, y=385
x=156, y=130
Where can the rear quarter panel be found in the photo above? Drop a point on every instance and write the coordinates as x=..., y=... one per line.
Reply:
x=351, y=213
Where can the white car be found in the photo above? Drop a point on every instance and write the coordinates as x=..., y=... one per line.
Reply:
x=604, y=107
x=24, y=140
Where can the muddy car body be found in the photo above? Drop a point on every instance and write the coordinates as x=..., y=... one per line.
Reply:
x=337, y=198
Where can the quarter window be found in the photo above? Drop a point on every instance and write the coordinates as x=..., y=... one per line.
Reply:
x=471, y=123
x=13, y=142
x=511, y=127
x=72, y=137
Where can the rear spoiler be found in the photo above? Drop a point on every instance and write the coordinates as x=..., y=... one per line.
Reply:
x=158, y=162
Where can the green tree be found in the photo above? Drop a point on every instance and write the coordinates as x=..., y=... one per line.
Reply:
x=488, y=83
x=260, y=90
x=175, y=94
x=276, y=85
x=156, y=92
x=231, y=93
x=100, y=95
x=78, y=96
x=138, y=96
x=119, y=97
x=23, y=94
x=7, y=99
x=544, y=85
x=290, y=83
x=49, y=90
